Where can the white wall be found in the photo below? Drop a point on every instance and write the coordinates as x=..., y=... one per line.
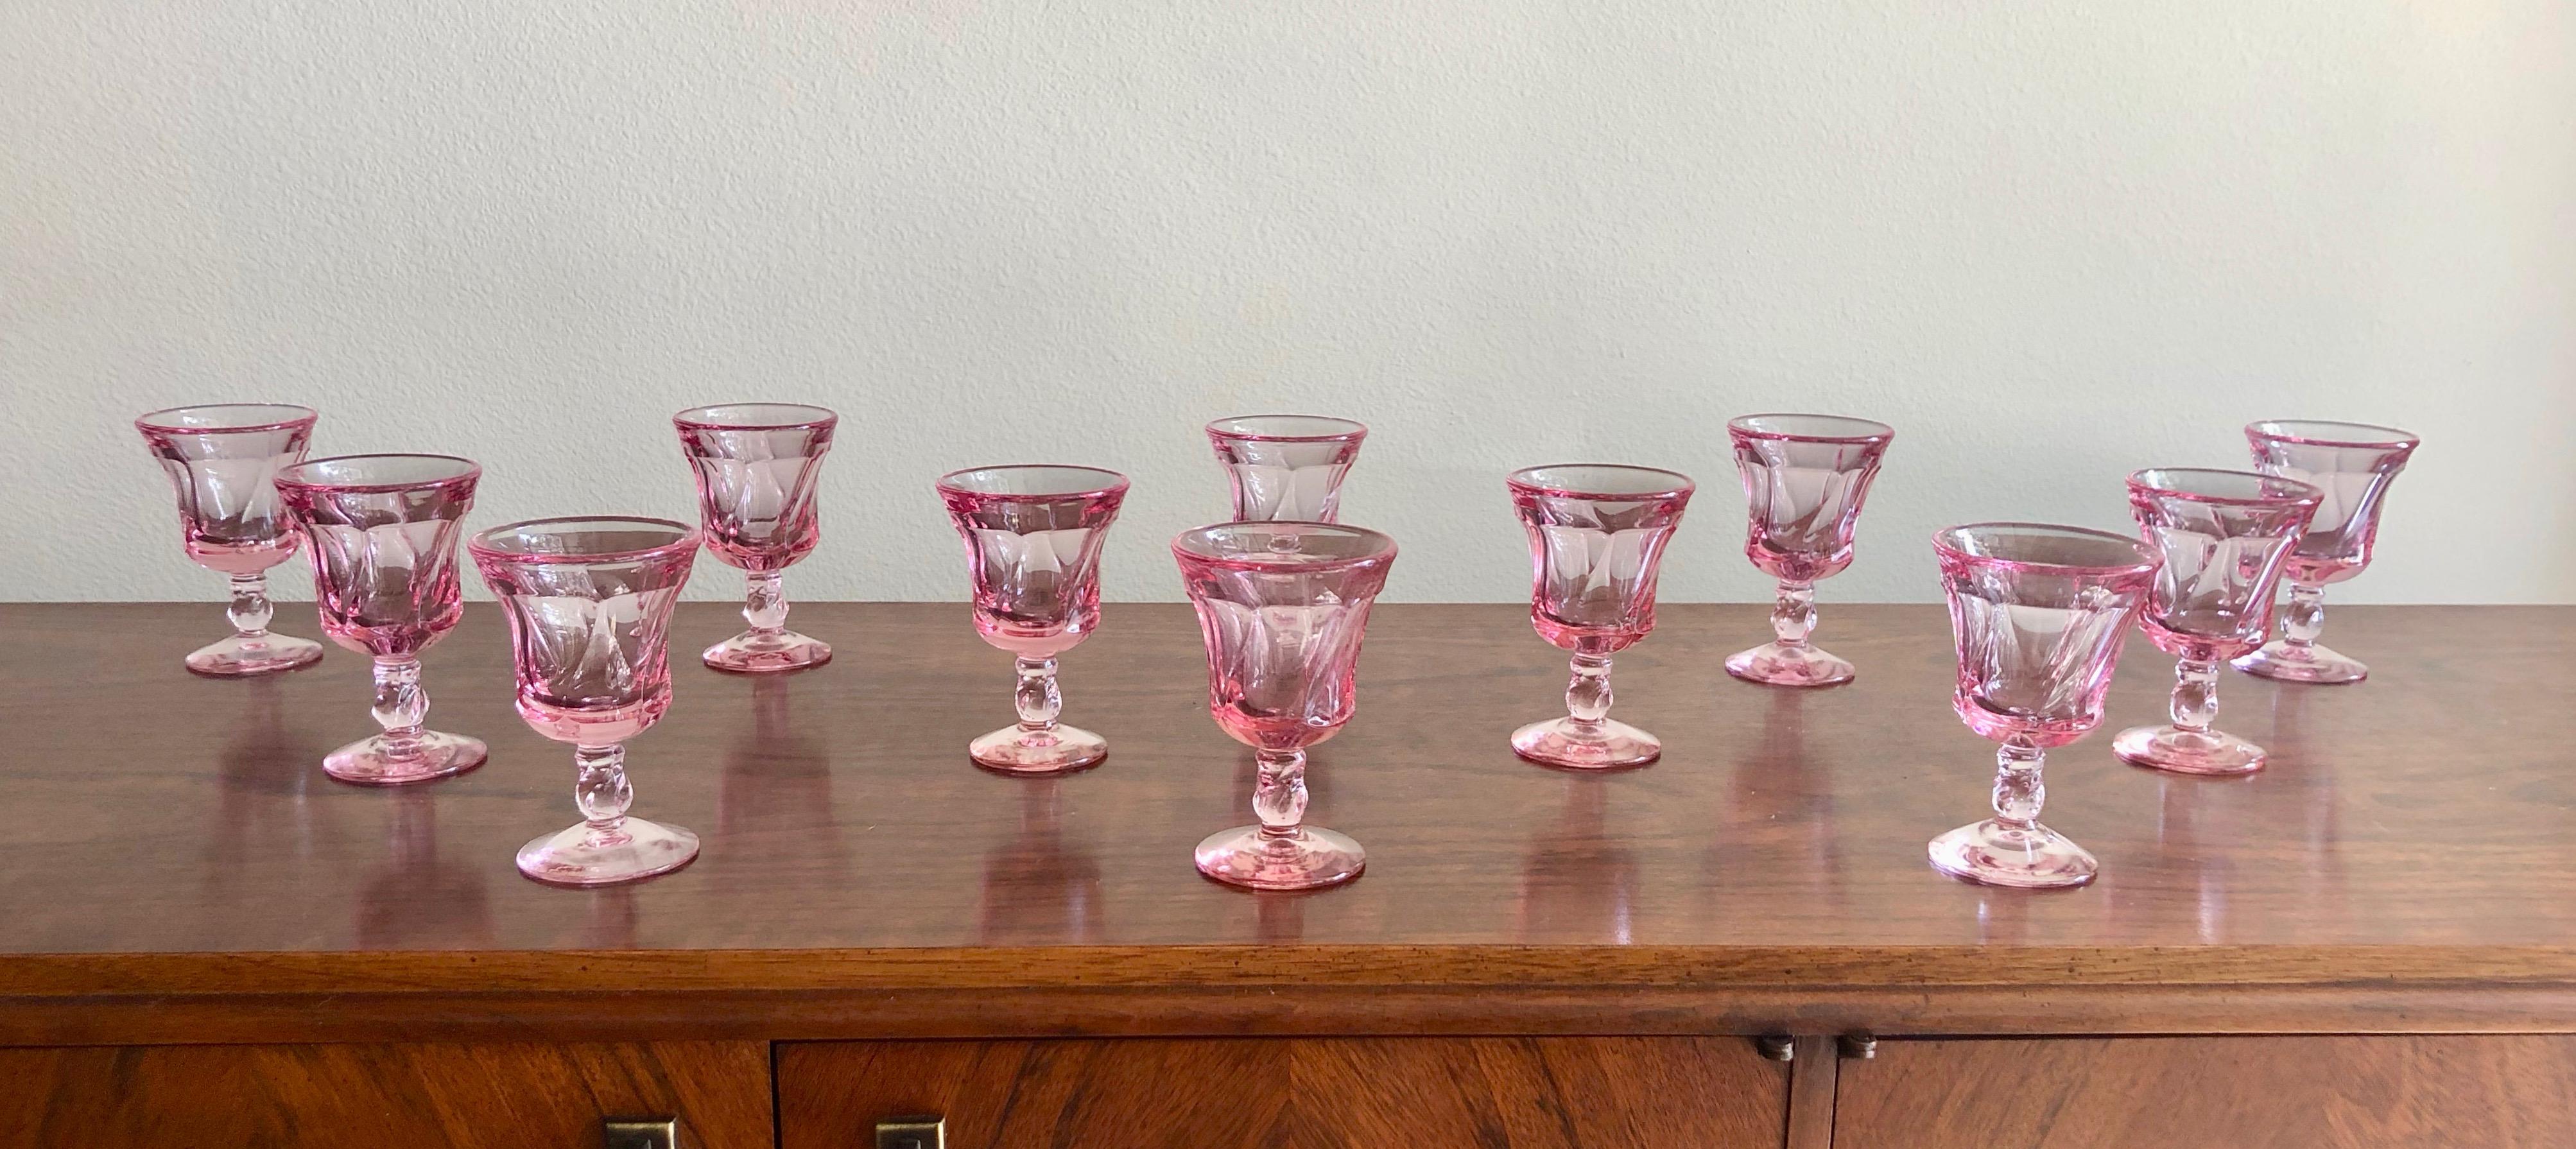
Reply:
x=2050, y=242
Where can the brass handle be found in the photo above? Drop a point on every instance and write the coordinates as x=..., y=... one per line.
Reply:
x=913, y=1133
x=1859, y=1045
x=639, y=1133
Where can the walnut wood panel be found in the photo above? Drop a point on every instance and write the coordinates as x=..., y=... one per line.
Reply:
x=1351, y=1093
x=353, y=1096
x=185, y=872
x=2493, y=1091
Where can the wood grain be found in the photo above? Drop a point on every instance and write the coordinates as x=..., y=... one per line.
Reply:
x=599, y=1014
x=368, y=1096
x=184, y=870
x=1483, y=1093
x=2252, y=1092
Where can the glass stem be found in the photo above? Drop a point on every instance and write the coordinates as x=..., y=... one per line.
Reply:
x=250, y=609
x=1037, y=698
x=1587, y=694
x=2195, y=694
x=764, y=603
x=2303, y=617
x=601, y=789
x=1793, y=614
x=401, y=704
x=2018, y=792
x=1279, y=796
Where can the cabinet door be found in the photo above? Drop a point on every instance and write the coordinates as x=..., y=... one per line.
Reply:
x=372, y=1096
x=1360, y=1093
x=2242, y=1092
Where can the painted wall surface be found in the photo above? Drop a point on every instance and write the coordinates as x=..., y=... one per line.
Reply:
x=2049, y=241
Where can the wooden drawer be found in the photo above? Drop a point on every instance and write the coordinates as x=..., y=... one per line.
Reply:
x=371, y=1096
x=1361, y=1093
x=2243, y=1092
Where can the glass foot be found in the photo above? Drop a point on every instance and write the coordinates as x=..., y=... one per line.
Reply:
x=1586, y=745
x=1992, y=853
x=2187, y=752
x=1775, y=665
x=241, y=655
x=756, y=652
x=435, y=755
x=585, y=855
x=1061, y=750
x=2310, y=664
x=1310, y=857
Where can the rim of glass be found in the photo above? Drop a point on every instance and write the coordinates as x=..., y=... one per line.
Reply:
x=686, y=543
x=1858, y=430
x=782, y=419
x=2373, y=434
x=1192, y=544
x=270, y=420
x=1946, y=541
x=1677, y=483
x=465, y=470
x=1241, y=427
x=1105, y=482
x=2140, y=483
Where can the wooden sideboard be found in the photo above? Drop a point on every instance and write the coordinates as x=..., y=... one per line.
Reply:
x=205, y=942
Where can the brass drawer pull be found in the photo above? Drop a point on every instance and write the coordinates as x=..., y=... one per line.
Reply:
x=639, y=1133
x=913, y=1133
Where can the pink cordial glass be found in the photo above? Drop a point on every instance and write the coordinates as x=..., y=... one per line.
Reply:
x=2038, y=613
x=1283, y=607
x=755, y=465
x=1033, y=536
x=589, y=602
x=2224, y=536
x=384, y=530
x=1597, y=535
x=1286, y=467
x=1805, y=477
x=2352, y=465
x=222, y=460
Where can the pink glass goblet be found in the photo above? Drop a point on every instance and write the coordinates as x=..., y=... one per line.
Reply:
x=1804, y=479
x=2038, y=614
x=1597, y=535
x=589, y=602
x=755, y=465
x=1286, y=467
x=2224, y=536
x=2352, y=464
x=384, y=530
x=1033, y=536
x=222, y=460
x=1283, y=607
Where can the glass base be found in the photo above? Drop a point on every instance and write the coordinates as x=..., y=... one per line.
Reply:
x=1602, y=745
x=753, y=652
x=1772, y=664
x=1991, y=853
x=1311, y=857
x=239, y=656
x=2186, y=752
x=436, y=755
x=586, y=856
x=1061, y=750
x=2312, y=664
